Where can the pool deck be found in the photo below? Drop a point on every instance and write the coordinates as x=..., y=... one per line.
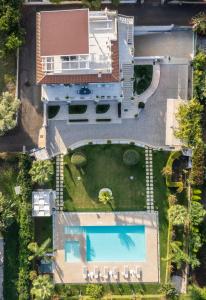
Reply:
x=72, y=272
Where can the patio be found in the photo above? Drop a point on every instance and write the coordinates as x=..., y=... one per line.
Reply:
x=77, y=92
x=148, y=270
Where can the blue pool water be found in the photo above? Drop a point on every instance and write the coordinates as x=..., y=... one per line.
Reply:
x=72, y=251
x=111, y=243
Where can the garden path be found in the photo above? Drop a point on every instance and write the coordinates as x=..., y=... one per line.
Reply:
x=59, y=182
x=149, y=179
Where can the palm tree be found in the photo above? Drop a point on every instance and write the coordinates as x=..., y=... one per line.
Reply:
x=39, y=252
x=105, y=195
x=42, y=287
x=178, y=215
x=41, y=171
x=167, y=171
x=199, y=23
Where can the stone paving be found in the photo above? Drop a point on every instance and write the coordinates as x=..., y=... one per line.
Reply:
x=59, y=182
x=149, y=128
x=149, y=180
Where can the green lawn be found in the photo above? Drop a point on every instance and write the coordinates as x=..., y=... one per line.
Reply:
x=8, y=171
x=105, y=168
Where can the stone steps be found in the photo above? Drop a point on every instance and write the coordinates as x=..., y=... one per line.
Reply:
x=60, y=182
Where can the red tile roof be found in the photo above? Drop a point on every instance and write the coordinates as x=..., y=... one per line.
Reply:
x=59, y=31
x=43, y=78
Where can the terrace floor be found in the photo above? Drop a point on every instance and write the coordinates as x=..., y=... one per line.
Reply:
x=150, y=267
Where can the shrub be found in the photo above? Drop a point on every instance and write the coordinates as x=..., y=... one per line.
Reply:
x=141, y=105
x=197, y=172
x=42, y=171
x=197, y=192
x=105, y=195
x=94, y=290
x=196, y=198
x=78, y=159
x=130, y=157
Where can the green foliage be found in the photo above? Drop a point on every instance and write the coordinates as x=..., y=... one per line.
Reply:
x=199, y=82
x=105, y=196
x=78, y=159
x=25, y=226
x=178, y=256
x=189, y=118
x=13, y=42
x=9, y=106
x=142, y=78
x=178, y=214
x=197, y=293
x=42, y=171
x=130, y=157
x=196, y=198
x=42, y=288
x=92, y=4
x=7, y=212
x=37, y=251
x=197, y=172
x=197, y=192
x=94, y=290
x=199, y=23
x=169, y=290
x=167, y=172
x=197, y=213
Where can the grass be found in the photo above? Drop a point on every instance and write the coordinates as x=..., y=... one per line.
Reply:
x=105, y=168
x=161, y=203
x=8, y=171
x=142, y=78
x=42, y=229
x=7, y=72
x=53, y=111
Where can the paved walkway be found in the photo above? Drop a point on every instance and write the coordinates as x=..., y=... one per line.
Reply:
x=59, y=182
x=149, y=128
x=149, y=179
x=1, y=267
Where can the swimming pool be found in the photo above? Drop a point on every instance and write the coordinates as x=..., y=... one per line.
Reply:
x=111, y=243
x=72, y=251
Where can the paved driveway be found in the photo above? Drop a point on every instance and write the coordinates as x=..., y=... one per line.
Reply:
x=149, y=128
x=176, y=43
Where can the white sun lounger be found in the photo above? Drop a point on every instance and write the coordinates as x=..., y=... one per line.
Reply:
x=126, y=272
x=85, y=272
x=96, y=273
x=115, y=273
x=138, y=272
x=106, y=273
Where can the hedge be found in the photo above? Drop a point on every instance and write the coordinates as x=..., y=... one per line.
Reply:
x=25, y=226
x=171, y=159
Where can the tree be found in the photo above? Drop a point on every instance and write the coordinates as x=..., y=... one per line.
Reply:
x=197, y=213
x=178, y=256
x=198, y=165
x=199, y=23
x=169, y=290
x=178, y=214
x=197, y=293
x=167, y=171
x=7, y=212
x=94, y=290
x=92, y=4
x=13, y=42
x=172, y=199
x=130, y=157
x=42, y=287
x=39, y=251
x=189, y=118
x=105, y=195
x=42, y=171
x=78, y=159
x=9, y=106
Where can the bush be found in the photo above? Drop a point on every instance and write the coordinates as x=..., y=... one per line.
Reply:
x=141, y=105
x=169, y=182
x=196, y=198
x=94, y=290
x=197, y=172
x=41, y=171
x=130, y=157
x=197, y=192
x=78, y=159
